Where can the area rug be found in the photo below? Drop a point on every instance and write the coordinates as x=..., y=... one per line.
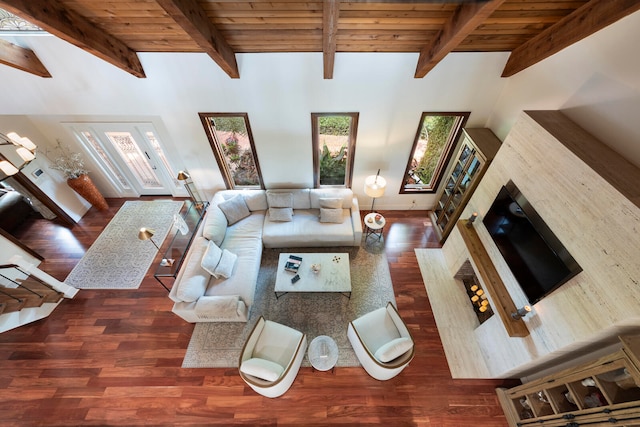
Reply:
x=219, y=344
x=118, y=259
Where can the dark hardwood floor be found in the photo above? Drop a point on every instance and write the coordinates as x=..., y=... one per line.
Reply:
x=113, y=357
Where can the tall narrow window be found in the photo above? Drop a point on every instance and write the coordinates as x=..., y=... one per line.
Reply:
x=232, y=143
x=334, y=147
x=432, y=149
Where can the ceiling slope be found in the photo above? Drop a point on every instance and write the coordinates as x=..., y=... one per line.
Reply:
x=115, y=30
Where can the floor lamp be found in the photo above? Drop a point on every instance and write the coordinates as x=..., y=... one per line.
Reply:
x=146, y=234
x=374, y=187
x=188, y=183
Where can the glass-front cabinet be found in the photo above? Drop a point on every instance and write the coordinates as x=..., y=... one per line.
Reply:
x=478, y=146
x=603, y=392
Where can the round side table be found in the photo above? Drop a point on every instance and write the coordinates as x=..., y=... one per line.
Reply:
x=323, y=353
x=373, y=227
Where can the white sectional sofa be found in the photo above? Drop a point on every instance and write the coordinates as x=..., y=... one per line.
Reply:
x=242, y=222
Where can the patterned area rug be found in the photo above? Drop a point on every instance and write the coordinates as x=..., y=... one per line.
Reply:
x=219, y=344
x=118, y=259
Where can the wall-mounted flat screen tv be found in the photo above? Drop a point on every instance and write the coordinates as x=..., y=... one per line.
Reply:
x=537, y=259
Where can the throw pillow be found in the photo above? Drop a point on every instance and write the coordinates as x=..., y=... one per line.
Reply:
x=192, y=288
x=280, y=214
x=330, y=203
x=234, y=209
x=262, y=368
x=331, y=215
x=211, y=258
x=393, y=349
x=280, y=200
x=226, y=264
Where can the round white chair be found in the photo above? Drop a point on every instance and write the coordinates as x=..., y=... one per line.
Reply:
x=382, y=342
x=271, y=357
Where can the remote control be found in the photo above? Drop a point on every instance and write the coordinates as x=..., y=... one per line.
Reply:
x=295, y=278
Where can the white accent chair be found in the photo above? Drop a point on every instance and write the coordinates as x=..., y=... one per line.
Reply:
x=381, y=342
x=271, y=357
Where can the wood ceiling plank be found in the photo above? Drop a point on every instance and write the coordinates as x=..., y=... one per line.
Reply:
x=583, y=22
x=400, y=6
x=21, y=58
x=260, y=6
x=72, y=27
x=542, y=5
x=466, y=19
x=330, y=16
x=261, y=14
x=190, y=16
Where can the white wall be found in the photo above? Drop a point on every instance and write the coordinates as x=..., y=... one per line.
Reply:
x=594, y=82
x=51, y=182
x=279, y=91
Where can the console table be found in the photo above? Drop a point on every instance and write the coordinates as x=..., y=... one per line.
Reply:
x=192, y=215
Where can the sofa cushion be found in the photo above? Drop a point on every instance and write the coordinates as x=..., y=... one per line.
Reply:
x=345, y=194
x=300, y=197
x=193, y=287
x=192, y=264
x=211, y=258
x=330, y=203
x=331, y=215
x=261, y=368
x=393, y=349
x=280, y=214
x=256, y=200
x=226, y=264
x=215, y=225
x=223, y=306
x=305, y=223
x=234, y=209
x=280, y=200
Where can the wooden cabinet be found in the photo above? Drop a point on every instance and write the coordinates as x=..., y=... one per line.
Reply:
x=477, y=148
x=604, y=392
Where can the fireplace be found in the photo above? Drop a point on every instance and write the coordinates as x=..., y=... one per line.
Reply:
x=477, y=296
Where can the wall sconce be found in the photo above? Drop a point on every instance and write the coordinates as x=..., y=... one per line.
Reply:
x=191, y=189
x=521, y=312
x=374, y=186
x=16, y=152
x=146, y=234
x=472, y=219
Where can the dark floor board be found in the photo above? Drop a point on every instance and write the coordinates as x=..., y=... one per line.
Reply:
x=112, y=357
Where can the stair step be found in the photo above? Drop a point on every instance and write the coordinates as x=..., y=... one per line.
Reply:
x=10, y=304
x=49, y=294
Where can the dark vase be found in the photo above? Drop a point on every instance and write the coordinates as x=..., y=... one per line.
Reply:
x=84, y=186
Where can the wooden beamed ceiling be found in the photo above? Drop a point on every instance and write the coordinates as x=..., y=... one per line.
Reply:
x=115, y=30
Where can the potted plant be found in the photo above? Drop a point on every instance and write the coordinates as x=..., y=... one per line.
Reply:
x=72, y=166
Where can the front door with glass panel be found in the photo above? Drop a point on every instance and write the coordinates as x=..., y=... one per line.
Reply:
x=131, y=156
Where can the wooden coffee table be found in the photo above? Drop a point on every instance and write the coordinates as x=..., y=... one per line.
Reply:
x=334, y=274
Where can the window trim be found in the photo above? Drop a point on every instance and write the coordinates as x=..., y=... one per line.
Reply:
x=445, y=157
x=351, y=149
x=219, y=154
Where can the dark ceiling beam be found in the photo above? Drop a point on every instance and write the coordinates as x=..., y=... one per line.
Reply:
x=22, y=59
x=466, y=19
x=581, y=23
x=194, y=20
x=55, y=18
x=330, y=15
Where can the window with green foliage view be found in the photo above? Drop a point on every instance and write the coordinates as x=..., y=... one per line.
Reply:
x=334, y=143
x=232, y=143
x=432, y=149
